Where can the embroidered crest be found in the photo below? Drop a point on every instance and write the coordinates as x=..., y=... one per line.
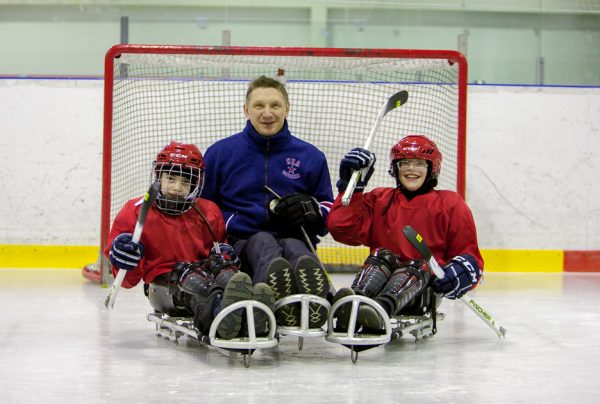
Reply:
x=292, y=166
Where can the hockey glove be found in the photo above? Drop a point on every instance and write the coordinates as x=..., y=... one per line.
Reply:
x=124, y=253
x=357, y=159
x=462, y=275
x=297, y=210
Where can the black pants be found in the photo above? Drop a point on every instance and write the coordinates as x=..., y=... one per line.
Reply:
x=259, y=250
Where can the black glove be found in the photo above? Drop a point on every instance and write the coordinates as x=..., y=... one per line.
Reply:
x=124, y=253
x=355, y=160
x=462, y=274
x=297, y=210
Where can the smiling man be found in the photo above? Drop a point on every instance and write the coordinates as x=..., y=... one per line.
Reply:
x=245, y=171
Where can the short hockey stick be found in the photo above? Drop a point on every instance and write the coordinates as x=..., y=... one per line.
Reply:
x=417, y=241
x=149, y=199
x=393, y=102
x=212, y=233
x=306, y=238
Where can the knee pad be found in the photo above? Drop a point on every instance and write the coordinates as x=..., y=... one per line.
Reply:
x=193, y=279
x=418, y=268
x=375, y=273
x=404, y=286
x=198, y=283
x=221, y=268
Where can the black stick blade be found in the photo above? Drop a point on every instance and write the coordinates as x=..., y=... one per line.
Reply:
x=417, y=241
x=149, y=199
x=396, y=100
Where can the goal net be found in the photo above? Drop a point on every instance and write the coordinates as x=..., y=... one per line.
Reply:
x=155, y=94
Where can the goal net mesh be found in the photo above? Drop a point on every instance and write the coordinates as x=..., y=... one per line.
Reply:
x=166, y=94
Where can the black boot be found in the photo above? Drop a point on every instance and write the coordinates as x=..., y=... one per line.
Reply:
x=205, y=309
x=239, y=288
x=198, y=291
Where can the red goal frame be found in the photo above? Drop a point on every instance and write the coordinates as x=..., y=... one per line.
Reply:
x=453, y=57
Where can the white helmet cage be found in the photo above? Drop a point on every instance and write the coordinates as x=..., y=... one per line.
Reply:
x=177, y=204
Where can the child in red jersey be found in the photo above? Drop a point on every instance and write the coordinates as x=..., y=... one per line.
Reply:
x=175, y=258
x=394, y=275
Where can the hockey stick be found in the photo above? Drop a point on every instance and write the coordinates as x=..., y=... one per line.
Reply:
x=393, y=102
x=306, y=238
x=212, y=233
x=417, y=241
x=149, y=199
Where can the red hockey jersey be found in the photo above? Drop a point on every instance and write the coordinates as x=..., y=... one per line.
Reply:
x=167, y=239
x=441, y=217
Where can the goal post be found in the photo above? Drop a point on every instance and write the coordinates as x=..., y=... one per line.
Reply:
x=155, y=93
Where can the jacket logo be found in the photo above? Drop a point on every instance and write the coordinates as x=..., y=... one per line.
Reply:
x=292, y=166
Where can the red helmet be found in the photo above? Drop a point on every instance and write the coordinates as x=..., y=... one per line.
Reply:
x=179, y=160
x=416, y=147
x=186, y=155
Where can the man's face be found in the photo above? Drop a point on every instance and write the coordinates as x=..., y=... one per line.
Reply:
x=266, y=109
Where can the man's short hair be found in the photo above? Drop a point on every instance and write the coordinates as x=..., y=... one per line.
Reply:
x=267, y=82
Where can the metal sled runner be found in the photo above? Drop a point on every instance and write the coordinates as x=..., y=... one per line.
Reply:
x=302, y=331
x=172, y=328
x=419, y=326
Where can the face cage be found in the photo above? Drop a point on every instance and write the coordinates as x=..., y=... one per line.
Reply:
x=177, y=206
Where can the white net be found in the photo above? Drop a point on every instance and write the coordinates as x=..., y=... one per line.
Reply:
x=198, y=98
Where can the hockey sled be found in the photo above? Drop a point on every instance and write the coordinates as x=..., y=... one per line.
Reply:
x=172, y=328
x=419, y=326
x=304, y=330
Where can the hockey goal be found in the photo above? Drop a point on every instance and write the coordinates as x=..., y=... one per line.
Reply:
x=154, y=94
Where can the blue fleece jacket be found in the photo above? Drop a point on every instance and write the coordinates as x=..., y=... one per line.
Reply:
x=238, y=168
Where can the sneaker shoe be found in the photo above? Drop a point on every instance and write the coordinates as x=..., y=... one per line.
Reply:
x=281, y=281
x=342, y=314
x=238, y=288
x=312, y=279
x=264, y=294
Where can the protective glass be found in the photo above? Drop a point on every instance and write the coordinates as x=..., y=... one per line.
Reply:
x=416, y=164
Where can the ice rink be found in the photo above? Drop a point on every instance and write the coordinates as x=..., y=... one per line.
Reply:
x=59, y=344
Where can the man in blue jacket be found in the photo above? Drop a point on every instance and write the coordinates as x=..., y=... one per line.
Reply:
x=270, y=185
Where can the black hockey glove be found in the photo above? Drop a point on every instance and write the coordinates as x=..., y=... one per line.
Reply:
x=124, y=253
x=357, y=159
x=462, y=274
x=297, y=210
